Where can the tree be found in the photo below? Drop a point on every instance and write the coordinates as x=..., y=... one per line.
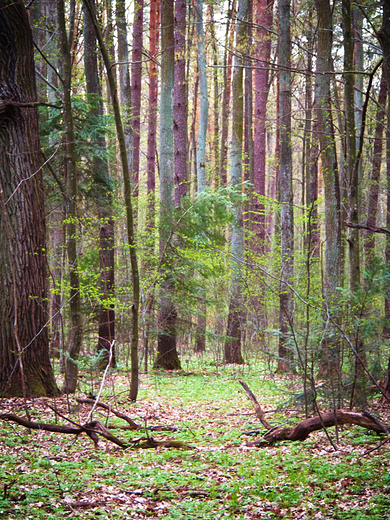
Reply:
x=127, y=196
x=286, y=191
x=24, y=343
x=136, y=84
x=76, y=331
x=102, y=192
x=264, y=16
x=167, y=356
x=232, y=353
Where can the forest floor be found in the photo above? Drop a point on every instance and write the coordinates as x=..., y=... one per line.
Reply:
x=52, y=475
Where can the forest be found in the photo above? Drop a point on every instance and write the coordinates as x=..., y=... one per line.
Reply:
x=194, y=255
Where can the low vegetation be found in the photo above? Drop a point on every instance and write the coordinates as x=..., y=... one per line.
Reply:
x=220, y=474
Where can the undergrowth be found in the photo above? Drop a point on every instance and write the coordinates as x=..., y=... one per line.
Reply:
x=48, y=475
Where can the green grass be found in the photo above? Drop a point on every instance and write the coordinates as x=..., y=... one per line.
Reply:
x=48, y=476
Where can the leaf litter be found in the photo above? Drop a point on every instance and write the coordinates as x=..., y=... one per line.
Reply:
x=50, y=475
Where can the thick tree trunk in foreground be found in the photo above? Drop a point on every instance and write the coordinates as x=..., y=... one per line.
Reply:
x=232, y=353
x=167, y=356
x=23, y=309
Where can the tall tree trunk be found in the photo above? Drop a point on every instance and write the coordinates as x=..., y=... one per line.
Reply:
x=76, y=331
x=201, y=174
x=127, y=197
x=136, y=87
x=232, y=352
x=167, y=356
x=248, y=119
x=328, y=150
x=216, y=94
x=286, y=193
x=124, y=79
x=352, y=172
x=264, y=17
x=180, y=104
x=203, y=97
x=102, y=185
x=24, y=342
x=227, y=64
x=359, y=398
x=373, y=192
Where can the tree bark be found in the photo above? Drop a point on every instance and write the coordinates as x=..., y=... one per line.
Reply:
x=373, y=193
x=286, y=192
x=152, y=116
x=136, y=87
x=264, y=17
x=167, y=357
x=232, y=352
x=180, y=104
x=227, y=67
x=328, y=151
x=24, y=342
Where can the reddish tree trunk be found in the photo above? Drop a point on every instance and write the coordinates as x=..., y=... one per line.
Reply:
x=264, y=16
x=136, y=85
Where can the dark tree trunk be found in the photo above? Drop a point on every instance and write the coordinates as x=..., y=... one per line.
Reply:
x=373, y=193
x=136, y=86
x=102, y=195
x=24, y=342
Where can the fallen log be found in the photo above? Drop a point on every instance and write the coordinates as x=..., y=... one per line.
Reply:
x=93, y=430
x=302, y=430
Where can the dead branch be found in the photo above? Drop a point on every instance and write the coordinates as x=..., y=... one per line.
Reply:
x=93, y=429
x=369, y=227
x=133, y=425
x=258, y=409
x=302, y=430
